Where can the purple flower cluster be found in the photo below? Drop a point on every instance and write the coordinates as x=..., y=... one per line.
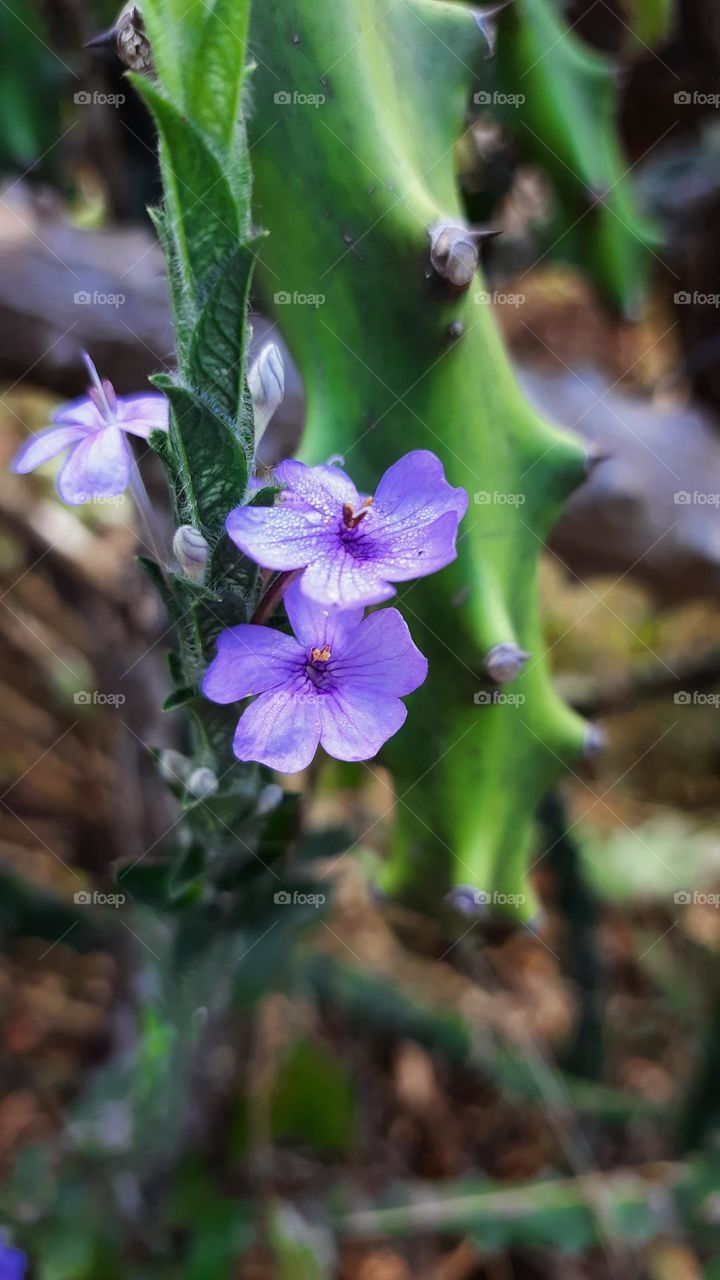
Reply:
x=93, y=430
x=337, y=682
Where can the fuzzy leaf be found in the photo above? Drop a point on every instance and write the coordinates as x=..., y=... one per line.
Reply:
x=213, y=461
x=217, y=355
x=201, y=210
x=218, y=69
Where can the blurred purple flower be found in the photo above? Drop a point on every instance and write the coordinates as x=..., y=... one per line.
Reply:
x=93, y=430
x=337, y=683
x=353, y=548
x=13, y=1263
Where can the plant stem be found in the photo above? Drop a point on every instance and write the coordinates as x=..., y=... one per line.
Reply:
x=272, y=597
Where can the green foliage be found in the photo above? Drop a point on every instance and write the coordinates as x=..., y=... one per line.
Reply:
x=30, y=79
x=384, y=374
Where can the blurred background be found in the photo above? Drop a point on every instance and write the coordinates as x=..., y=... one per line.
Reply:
x=584, y=1047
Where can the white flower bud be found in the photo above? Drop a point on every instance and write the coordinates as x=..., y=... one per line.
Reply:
x=202, y=783
x=173, y=766
x=192, y=553
x=266, y=381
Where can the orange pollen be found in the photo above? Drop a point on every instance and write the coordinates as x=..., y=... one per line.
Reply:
x=350, y=520
x=321, y=655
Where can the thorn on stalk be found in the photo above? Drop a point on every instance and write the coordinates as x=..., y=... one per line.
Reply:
x=455, y=251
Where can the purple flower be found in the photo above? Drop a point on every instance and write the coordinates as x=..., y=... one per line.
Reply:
x=93, y=429
x=337, y=683
x=13, y=1263
x=350, y=547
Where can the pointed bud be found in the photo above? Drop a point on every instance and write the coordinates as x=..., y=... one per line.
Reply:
x=505, y=662
x=174, y=767
x=192, y=553
x=202, y=783
x=455, y=253
x=266, y=381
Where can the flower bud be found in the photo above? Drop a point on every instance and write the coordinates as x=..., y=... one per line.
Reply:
x=266, y=381
x=202, y=783
x=505, y=662
x=192, y=553
x=174, y=767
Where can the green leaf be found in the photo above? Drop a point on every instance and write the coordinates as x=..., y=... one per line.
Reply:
x=218, y=69
x=213, y=461
x=217, y=354
x=199, y=203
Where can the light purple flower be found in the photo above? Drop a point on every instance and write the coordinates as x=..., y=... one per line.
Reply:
x=93, y=429
x=353, y=548
x=336, y=683
x=13, y=1263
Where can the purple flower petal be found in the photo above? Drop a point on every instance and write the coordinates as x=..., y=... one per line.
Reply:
x=278, y=538
x=98, y=467
x=251, y=660
x=337, y=577
x=382, y=657
x=82, y=413
x=13, y=1263
x=355, y=722
x=280, y=729
x=413, y=551
x=44, y=446
x=317, y=625
x=322, y=489
x=414, y=491
x=143, y=414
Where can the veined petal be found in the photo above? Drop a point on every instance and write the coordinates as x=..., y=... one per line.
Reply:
x=338, y=578
x=143, y=414
x=381, y=657
x=81, y=412
x=316, y=625
x=356, y=722
x=278, y=538
x=44, y=446
x=98, y=467
x=414, y=492
x=280, y=729
x=323, y=489
x=414, y=551
x=251, y=660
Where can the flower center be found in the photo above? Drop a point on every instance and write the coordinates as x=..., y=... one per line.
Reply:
x=321, y=655
x=351, y=520
x=317, y=667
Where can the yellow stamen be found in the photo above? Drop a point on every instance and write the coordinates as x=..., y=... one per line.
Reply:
x=321, y=655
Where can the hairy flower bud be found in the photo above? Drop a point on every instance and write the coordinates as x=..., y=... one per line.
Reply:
x=505, y=662
x=192, y=553
x=202, y=783
x=266, y=381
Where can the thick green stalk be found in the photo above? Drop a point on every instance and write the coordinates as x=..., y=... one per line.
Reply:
x=395, y=358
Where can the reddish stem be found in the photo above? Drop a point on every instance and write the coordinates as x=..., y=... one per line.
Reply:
x=272, y=597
